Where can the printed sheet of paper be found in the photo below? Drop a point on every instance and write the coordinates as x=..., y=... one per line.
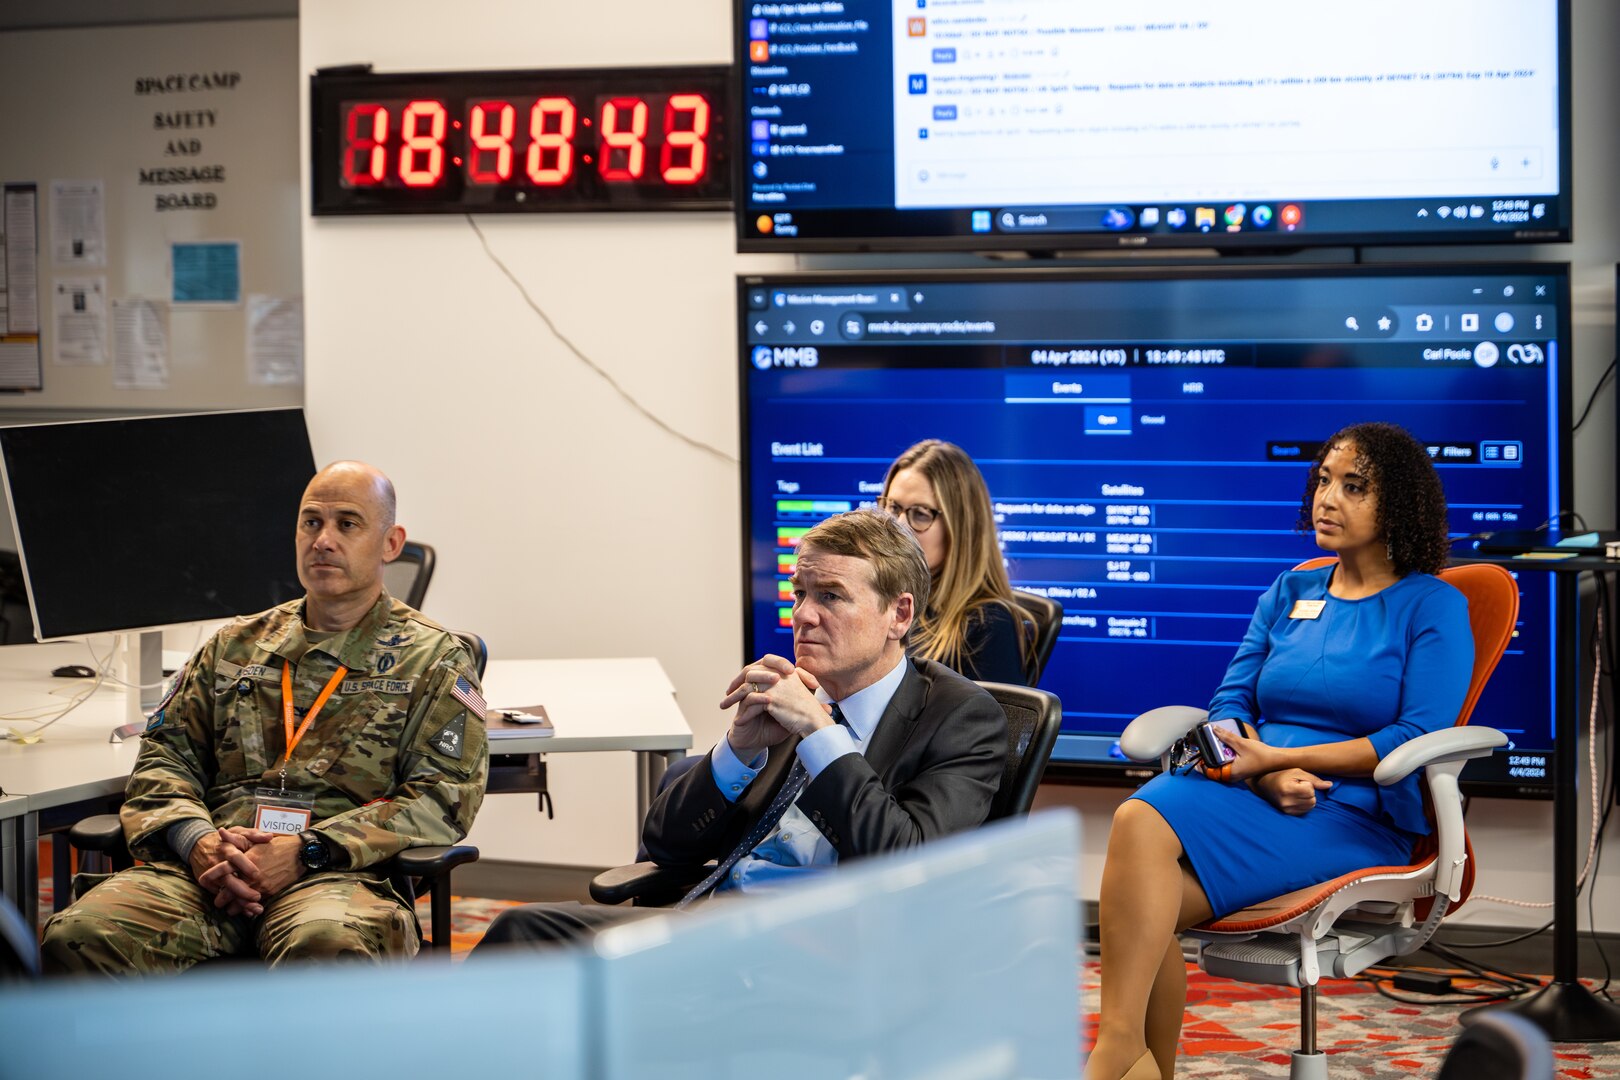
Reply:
x=80, y=309
x=78, y=223
x=21, y=212
x=207, y=273
x=140, y=344
x=19, y=363
x=275, y=340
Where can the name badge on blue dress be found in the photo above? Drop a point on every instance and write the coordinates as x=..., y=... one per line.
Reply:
x=1307, y=609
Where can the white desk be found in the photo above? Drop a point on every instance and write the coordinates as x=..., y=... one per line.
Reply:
x=619, y=704
x=72, y=764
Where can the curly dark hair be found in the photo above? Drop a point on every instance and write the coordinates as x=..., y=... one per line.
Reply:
x=1411, y=502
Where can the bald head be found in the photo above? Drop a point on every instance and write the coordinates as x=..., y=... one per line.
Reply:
x=356, y=481
x=346, y=534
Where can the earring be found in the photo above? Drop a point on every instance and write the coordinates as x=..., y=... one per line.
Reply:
x=1389, y=550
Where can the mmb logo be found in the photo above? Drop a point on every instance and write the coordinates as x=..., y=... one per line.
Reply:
x=762, y=357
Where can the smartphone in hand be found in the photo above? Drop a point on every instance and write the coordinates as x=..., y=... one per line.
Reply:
x=1215, y=752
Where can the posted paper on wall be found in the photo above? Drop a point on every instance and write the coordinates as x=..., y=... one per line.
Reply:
x=78, y=223
x=207, y=273
x=140, y=344
x=80, y=309
x=22, y=258
x=275, y=340
x=19, y=363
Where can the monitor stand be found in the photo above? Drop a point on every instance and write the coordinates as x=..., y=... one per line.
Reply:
x=140, y=665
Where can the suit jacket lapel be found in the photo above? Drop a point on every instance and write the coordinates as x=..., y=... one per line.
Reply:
x=898, y=721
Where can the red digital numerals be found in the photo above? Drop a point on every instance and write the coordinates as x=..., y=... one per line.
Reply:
x=530, y=141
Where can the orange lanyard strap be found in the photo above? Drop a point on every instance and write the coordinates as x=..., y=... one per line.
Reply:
x=314, y=710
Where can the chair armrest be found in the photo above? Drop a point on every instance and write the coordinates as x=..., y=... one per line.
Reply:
x=433, y=861
x=645, y=880
x=1451, y=744
x=1148, y=736
x=103, y=833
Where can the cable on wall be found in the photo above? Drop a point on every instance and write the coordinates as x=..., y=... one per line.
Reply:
x=697, y=444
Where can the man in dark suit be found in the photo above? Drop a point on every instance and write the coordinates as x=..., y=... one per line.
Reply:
x=848, y=750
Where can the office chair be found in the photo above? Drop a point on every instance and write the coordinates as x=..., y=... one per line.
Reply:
x=1047, y=615
x=1344, y=926
x=19, y=946
x=415, y=871
x=477, y=647
x=1033, y=719
x=1499, y=1046
x=407, y=577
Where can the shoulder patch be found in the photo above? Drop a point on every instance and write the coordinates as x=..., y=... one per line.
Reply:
x=450, y=737
x=463, y=692
x=175, y=682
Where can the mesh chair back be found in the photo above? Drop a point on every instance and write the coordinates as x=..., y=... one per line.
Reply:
x=1033, y=719
x=1047, y=615
x=407, y=577
x=475, y=645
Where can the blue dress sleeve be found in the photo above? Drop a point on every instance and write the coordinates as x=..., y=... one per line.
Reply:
x=1439, y=667
x=1237, y=697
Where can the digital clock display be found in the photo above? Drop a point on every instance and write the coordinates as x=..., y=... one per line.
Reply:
x=520, y=141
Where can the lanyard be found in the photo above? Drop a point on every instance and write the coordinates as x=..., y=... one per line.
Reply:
x=309, y=717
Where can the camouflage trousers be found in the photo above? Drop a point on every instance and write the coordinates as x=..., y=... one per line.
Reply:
x=154, y=918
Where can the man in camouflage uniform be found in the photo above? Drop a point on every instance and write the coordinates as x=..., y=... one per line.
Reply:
x=393, y=758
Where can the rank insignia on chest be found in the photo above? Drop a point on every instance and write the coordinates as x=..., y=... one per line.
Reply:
x=449, y=739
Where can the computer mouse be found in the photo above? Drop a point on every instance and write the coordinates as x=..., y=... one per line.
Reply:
x=74, y=671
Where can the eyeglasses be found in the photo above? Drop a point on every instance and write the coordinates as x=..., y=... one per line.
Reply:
x=920, y=518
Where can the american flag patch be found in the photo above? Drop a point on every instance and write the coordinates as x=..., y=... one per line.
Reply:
x=463, y=692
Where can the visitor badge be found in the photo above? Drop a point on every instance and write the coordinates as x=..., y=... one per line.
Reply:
x=282, y=812
x=1307, y=609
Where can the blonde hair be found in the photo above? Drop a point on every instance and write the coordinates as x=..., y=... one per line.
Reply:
x=972, y=576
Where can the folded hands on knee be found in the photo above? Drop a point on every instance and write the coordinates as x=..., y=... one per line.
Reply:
x=245, y=867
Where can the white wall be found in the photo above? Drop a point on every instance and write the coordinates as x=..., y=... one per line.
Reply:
x=567, y=525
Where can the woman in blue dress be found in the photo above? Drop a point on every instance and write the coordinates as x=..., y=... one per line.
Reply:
x=1339, y=666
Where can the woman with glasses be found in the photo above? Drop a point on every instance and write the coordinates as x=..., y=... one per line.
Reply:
x=972, y=623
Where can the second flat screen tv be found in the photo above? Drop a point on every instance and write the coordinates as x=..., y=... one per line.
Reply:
x=1145, y=440
x=875, y=125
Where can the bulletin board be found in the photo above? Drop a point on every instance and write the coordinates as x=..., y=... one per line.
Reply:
x=167, y=168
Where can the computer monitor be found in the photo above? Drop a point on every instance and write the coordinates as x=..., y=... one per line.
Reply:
x=1145, y=438
x=1026, y=124
x=132, y=524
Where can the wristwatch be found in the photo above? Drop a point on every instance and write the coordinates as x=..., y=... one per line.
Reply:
x=312, y=850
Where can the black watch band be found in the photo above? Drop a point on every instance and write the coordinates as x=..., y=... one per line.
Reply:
x=312, y=850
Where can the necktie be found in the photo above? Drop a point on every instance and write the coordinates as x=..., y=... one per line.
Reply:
x=789, y=791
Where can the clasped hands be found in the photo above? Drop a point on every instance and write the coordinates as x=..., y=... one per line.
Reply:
x=775, y=700
x=244, y=867
x=1291, y=790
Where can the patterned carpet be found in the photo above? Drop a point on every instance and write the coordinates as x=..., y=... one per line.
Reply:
x=1235, y=1030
